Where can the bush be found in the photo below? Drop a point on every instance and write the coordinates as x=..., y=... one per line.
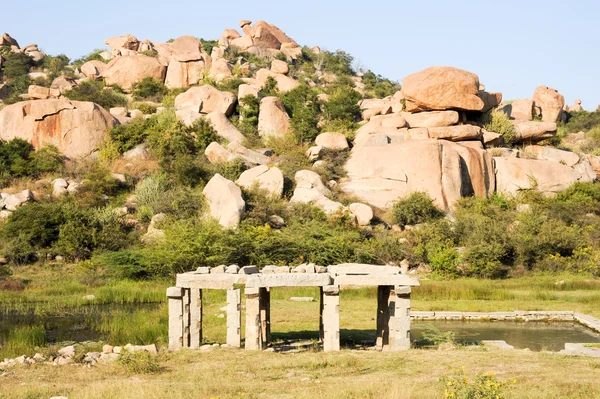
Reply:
x=149, y=89
x=93, y=56
x=18, y=158
x=56, y=65
x=139, y=362
x=16, y=65
x=378, y=86
x=498, y=122
x=248, y=109
x=582, y=121
x=96, y=92
x=269, y=88
x=342, y=106
x=339, y=62
x=145, y=108
x=417, y=208
x=208, y=45
x=303, y=108
x=126, y=137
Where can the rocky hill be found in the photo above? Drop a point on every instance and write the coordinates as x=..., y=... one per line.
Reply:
x=256, y=112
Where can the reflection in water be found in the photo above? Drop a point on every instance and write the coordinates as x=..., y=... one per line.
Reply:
x=537, y=336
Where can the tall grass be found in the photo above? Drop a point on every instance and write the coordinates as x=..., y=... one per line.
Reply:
x=23, y=340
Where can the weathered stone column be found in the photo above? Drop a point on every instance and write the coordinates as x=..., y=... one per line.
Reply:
x=253, y=325
x=383, y=316
x=195, y=317
x=400, y=319
x=321, y=330
x=175, y=303
x=265, y=315
x=331, y=318
x=234, y=318
x=186, y=317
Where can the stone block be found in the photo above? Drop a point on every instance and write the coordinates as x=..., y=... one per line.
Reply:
x=376, y=280
x=360, y=269
x=288, y=280
x=249, y=270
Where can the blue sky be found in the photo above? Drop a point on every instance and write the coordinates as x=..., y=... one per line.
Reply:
x=514, y=46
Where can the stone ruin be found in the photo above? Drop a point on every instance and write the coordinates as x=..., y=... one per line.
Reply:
x=185, y=302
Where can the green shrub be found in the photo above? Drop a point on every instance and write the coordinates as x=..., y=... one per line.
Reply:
x=18, y=158
x=582, y=121
x=126, y=137
x=145, y=108
x=208, y=45
x=149, y=89
x=417, y=208
x=96, y=92
x=269, y=88
x=303, y=108
x=498, y=122
x=248, y=108
x=342, y=106
x=98, y=186
x=483, y=386
x=93, y=56
x=56, y=65
x=16, y=65
x=231, y=85
x=379, y=87
x=338, y=62
x=139, y=362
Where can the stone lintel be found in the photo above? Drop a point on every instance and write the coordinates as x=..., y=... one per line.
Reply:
x=174, y=292
x=288, y=280
x=376, y=280
x=360, y=269
x=210, y=281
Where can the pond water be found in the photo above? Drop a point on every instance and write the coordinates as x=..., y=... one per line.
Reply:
x=537, y=336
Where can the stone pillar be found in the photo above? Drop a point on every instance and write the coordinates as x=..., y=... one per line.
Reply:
x=195, y=317
x=186, y=317
x=321, y=331
x=265, y=315
x=331, y=318
x=253, y=325
x=400, y=319
x=383, y=316
x=175, y=303
x=234, y=318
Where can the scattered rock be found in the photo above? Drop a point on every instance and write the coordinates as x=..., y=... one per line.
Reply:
x=225, y=201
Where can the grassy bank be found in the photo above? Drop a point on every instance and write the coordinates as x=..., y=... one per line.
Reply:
x=349, y=374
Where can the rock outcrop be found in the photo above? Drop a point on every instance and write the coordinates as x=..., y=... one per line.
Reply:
x=128, y=70
x=441, y=88
x=225, y=201
x=206, y=99
x=272, y=118
x=548, y=103
x=76, y=128
x=516, y=174
x=263, y=177
x=444, y=170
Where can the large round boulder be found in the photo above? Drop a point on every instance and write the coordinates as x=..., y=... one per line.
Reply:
x=440, y=88
x=77, y=128
x=125, y=71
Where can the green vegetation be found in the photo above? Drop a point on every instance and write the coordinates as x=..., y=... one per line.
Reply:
x=379, y=87
x=149, y=89
x=96, y=92
x=482, y=386
x=498, y=122
x=496, y=239
x=417, y=208
x=93, y=56
x=19, y=159
x=303, y=108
